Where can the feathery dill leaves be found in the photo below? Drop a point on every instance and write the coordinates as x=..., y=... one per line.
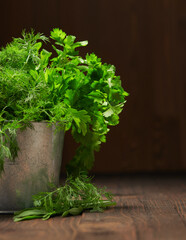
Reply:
x=22, y=53
x=16, y=85
x=78, y=194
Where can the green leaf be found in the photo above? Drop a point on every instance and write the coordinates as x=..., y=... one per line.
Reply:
x=80, y=118
x=45, y=55
x=80, y=44
x=37, y=46
x=69, y=97
x=75, y=211
x=108, y=113
x=29, y=214
x=69, y=40
x=58, y=35
x=34, y=74
x=65, y=214
x=97, y=96
x=92, y=59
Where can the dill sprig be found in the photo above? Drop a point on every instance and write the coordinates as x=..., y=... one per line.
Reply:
x=77, y=194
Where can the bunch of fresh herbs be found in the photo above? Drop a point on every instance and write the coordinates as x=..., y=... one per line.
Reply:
x=82, y=94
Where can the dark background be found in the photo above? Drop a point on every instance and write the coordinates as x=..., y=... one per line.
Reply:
x=146, y=41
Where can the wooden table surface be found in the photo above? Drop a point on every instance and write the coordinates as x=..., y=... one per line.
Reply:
x=148, y=207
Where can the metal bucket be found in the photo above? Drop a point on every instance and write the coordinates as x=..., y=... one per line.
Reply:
x=37, y=164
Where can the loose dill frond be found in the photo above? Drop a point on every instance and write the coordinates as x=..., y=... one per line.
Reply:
x=77, y=194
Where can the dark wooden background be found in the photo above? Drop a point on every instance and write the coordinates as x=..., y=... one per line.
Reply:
x=146, y=41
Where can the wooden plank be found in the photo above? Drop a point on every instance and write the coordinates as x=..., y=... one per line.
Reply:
x=148, y=208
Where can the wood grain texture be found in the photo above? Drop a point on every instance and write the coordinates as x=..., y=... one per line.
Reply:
x=145, y=40
x=149, y=207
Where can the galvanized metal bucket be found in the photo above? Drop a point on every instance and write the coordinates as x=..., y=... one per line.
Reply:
x=37, y=164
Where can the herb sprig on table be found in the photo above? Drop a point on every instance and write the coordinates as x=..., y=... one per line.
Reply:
x=78, y=194
x=82, y=94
